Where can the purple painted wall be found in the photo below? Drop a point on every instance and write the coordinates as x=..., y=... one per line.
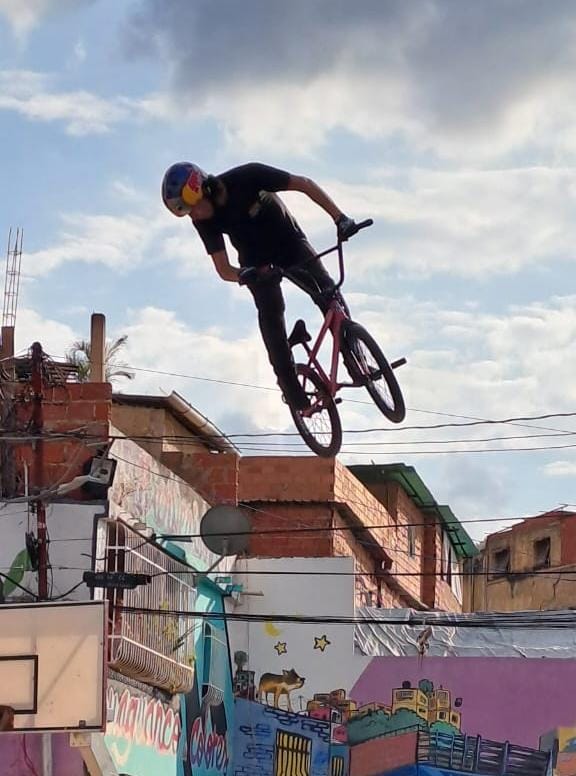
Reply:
x=514, y=699
x=19, y=760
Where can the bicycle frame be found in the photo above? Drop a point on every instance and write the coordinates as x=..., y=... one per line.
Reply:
x=333, y=320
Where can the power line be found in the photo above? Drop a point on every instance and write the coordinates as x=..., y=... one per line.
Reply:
x=430, y=441
x=435, y=452
x=533, y=621
x=387, y=429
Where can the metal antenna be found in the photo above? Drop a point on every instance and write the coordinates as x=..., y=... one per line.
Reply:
x=12, y=282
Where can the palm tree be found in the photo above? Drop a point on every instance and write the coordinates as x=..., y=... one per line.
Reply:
x=79, y=356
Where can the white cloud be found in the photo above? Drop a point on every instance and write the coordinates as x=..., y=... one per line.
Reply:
x=23, y=15
x=54, y=336
x=159, y=341
x=116, y=242
x=465, y=80
x=560, y=469
x=36, y=97
x=468, y=223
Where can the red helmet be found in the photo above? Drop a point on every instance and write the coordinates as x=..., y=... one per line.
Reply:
x=182, y=187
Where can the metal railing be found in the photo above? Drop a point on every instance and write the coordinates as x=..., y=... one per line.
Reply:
x=156, y=650
x=473, y=754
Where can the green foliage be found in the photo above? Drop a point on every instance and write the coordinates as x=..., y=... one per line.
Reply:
x=444, y=727
x=426, y=686
x=404, y=718
x=79, y=356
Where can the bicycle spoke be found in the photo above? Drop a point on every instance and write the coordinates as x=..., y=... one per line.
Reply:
x=319, y=425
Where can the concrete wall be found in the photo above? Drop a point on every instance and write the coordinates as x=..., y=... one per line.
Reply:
x=524, y=587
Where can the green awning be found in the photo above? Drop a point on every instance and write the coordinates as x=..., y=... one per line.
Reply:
x=409, y=480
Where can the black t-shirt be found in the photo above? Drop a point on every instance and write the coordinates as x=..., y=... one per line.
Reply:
x=258, y=223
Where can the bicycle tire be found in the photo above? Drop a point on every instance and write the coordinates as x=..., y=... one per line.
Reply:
x=356, y=340
x=325, y=443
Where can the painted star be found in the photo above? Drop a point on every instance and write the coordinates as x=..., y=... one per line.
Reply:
x=321, y=643
x=280, y=648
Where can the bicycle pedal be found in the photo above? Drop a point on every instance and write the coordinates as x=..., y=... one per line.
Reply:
x=398, y=362
x=338, y=400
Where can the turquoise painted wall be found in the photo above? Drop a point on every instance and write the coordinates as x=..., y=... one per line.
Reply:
x=207, y=713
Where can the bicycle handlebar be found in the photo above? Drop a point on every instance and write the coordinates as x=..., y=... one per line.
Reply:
x=338, y=247
x=362, y=225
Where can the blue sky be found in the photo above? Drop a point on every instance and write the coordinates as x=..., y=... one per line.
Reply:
x=452, y=124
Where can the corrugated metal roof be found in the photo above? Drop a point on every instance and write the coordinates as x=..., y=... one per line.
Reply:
x=410, y=481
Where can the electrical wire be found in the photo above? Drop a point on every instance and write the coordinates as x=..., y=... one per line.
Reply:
x=72, y=589
x=18, y=585
x=531, y=620
x=371, y=453
x=513, y=420
x=548, y=572
x=475, y=420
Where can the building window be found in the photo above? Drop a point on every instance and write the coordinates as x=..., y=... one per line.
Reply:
x=337, y=766
x=293, y=754
x=214, y=664
x=542, y=553
x=501, y=562
x=156, y=650
x=411, y=541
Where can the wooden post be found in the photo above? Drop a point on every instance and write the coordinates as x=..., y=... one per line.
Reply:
x=97, y=348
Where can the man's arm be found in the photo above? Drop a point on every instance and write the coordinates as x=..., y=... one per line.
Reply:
x=316, y=194
x=223, y=266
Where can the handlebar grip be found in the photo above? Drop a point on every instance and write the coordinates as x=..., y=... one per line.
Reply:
x=364, y=224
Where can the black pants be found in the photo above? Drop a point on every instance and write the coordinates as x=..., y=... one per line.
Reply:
x=313, y=278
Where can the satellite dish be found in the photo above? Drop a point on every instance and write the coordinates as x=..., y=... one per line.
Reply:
x=225, y=530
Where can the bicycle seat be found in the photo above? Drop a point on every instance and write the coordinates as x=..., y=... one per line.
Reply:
x=299, y=334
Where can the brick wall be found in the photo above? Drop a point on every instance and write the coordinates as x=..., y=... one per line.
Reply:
x=382, y=755
x=214, y=476
x=286, y=478
x=395, y=560
x=265, y=516
x=82, y=407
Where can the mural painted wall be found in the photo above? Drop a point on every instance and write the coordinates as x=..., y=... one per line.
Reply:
x=145, y=490
x=288, y=663
x=420, y=715
x=455, y=715
x=272, y=741
x=194, y=739
x=207, y=713
x=142, y=733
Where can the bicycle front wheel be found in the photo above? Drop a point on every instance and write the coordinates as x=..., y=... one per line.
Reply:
x=374, y=371
x=319, y=426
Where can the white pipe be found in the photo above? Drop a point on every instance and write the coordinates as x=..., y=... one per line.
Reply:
x=47, y=754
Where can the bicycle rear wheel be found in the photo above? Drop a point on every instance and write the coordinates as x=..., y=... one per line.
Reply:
x=373, y=370
x=320, y=425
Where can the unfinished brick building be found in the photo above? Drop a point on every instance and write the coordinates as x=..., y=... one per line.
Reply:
x=408, y=550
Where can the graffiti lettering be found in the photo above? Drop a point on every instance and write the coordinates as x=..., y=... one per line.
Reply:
x=143, y=721
x=207, y=750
